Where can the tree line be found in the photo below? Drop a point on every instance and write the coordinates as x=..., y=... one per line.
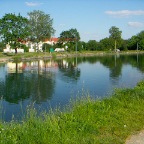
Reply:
x=38, y=26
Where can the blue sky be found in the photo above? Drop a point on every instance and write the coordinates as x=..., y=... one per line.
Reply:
x=92, y=18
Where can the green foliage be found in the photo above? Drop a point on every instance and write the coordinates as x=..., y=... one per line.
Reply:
x=141, y=40
x=92, y=45
x=26, y=49
x=79, y=46
x=136, y=41
x=83, y=44
x=40, y=26
x=106, y=44
x=46, y=47
x=132, y=43
x=14, y=29
x=59, y=45
x=2, y=46
x=115, y=33
x=124, y=45
x=140, y=85
x=70, y=35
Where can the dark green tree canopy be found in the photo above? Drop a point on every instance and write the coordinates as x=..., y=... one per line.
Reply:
x=13, y=29
x=71, y=35
x=106, y=44
x=140, y=42
x=136, y=42
x=41, y=26
x=132, y=43
x=92, y=45
x=115, y=33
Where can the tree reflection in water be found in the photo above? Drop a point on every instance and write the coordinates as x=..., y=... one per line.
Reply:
x=43, y=81
x=34, y=83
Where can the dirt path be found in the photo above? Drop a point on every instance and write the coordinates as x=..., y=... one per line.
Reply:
x=136, y=139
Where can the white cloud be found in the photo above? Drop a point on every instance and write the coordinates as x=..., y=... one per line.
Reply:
x=62, y=25
x=32, y=4
x=135, y=24
x=124, y=13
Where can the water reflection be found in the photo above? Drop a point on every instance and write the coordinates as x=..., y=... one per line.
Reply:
x=27, y=79
x=53, y=81
x=35, y=79
x=68, y=68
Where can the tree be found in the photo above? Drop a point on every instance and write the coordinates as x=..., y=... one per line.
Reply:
x=132, y=42
x=136, y=41
x=83, y=45
x=2, y=45
x=46, y=47
x=92, y=45
x=124, y=45
x=106, y=44
x=74, y=34
x=140, y=38
x=14, y=29
x=70, y=37
x=115, y=34
x=40, y=26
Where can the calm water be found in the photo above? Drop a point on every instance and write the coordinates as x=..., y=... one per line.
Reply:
x=52, y=83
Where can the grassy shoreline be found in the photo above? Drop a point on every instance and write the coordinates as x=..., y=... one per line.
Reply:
x=47, y=55
x=107, y=121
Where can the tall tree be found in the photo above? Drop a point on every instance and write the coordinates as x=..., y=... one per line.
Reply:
x=115, y=34
x=71, y=35
x=40, y=26
x=14, y=29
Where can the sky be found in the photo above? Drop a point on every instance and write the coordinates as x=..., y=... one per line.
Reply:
x=91, y=18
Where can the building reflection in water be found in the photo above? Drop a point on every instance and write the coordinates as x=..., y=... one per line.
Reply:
x=40, y=65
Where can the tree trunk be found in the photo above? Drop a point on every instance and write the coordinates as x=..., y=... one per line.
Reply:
x=15, y=50
x=115, y=45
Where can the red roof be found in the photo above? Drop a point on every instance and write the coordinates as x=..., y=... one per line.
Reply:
x=52, y=39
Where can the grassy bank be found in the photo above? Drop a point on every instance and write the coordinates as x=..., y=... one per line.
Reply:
x=107, y=121
x=41, y=55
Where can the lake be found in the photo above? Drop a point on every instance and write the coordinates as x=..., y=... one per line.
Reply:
x=53, y=83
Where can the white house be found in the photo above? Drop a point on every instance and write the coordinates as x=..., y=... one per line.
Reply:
x=9, y=50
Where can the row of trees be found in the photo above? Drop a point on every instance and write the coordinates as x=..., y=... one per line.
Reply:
x=15, y=30
x=111, y=43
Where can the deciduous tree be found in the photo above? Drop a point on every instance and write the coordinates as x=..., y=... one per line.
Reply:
x=41, y=26
x=14, y=29
x=92, y=45
x=115, y=34
x=106, y=44
x=71, y=37
x=140, y=42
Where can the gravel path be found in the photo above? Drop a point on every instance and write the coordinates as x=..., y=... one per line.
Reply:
x=136, y=139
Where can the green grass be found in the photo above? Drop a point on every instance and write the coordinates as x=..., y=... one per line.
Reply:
x=85, y=121
x=27, y=55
